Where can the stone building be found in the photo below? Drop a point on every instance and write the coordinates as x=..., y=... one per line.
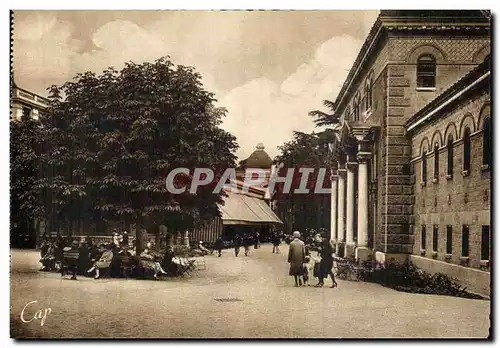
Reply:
x=26, y=103
x=409, y=60
x=452, y=163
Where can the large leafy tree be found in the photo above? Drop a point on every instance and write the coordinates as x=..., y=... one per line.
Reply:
x=304, y=211
x=112, y=141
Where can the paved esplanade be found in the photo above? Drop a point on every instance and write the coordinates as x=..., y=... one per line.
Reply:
x=270, y=305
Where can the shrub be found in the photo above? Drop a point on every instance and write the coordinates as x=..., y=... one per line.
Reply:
x=409, y=278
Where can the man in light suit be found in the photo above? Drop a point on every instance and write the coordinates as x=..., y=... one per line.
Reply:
x=296, y=258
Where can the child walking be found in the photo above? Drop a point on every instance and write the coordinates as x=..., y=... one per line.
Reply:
x=306, y=267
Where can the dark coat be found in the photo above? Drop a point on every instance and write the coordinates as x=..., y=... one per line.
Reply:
x=296, y=257
x=326, y=263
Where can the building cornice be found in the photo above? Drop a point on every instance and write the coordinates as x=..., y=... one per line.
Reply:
x=410, y=22
x=27, y=97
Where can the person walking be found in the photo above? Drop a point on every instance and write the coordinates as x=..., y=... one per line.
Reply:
x=219, y=245
x=276, y=243
x=247, y=241
x=296, y=258
x=237, y=244
x=326, y=263
x=256, y=240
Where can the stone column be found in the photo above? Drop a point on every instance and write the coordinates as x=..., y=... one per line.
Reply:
x=350, y=196
x=362, y=250
x=341, y=213
x=178, y=238
x=185, y=239
x=333, y=209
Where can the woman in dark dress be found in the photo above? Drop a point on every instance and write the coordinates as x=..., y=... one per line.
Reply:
x=326, y=264
x=83, y=259
x=219, y=245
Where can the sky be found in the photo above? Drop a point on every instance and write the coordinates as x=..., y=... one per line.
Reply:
x=268, y=68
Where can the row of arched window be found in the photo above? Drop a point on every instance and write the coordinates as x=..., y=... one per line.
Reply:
x=487, y=153
x=368, y=94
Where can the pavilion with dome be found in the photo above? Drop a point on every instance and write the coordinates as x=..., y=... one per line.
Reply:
x=244, y=212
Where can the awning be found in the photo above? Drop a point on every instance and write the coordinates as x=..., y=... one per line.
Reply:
x=240, y=209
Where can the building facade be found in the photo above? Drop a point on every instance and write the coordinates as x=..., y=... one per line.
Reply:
x=409, y=59
x=452, y=163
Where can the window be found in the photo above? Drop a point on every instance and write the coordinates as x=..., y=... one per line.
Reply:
x=449, y=149
x=435, y=238
x=436, y=161
x=423, y=241
x=426, y=72
x=26, y=113
x=485, y=242
x=368, y=94
x=449, y=239
x=356, y=107
x=348, y=114
x=465, y=241
x=467, y=150
x=424, y=166
x=487, y=148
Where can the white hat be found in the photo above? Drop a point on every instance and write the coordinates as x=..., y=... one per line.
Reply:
x=296, y=234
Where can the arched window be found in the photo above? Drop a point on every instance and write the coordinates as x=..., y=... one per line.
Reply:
x=467, y=145
x=449, y=149
x=424, y=166
x=487, y=148
x=356, y=107
x=426, y=71
x=436, y=161
x=348, y=114
x=368, y=94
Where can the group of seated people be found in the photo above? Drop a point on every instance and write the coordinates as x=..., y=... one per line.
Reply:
x=116, y=259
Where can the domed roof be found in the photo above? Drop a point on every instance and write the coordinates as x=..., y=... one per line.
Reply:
x=258, y=159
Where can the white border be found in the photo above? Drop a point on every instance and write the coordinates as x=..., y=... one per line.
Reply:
x=186, y=4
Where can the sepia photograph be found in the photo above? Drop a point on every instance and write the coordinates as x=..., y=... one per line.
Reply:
x=250, y=174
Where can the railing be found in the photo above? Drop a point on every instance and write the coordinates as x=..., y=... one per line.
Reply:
x=23, y=94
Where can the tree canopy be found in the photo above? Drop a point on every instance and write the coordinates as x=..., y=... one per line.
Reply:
x=108, y=146
x=304, y=211
x=323, y=118
x=24, y=198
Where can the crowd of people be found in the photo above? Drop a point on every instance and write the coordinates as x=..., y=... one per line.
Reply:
x=245, y=240
x=116, y=259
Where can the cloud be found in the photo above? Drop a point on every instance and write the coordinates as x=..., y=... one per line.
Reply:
x=40, y=58
x=263, y=111
x=33, y=27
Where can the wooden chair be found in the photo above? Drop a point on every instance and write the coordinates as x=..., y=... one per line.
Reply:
x=200, y=264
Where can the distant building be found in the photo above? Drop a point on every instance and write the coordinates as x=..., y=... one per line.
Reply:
x=244, y=212
x=26, y=103
x=418, y=88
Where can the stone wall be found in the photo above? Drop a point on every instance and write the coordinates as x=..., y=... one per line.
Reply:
x=457, y=200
